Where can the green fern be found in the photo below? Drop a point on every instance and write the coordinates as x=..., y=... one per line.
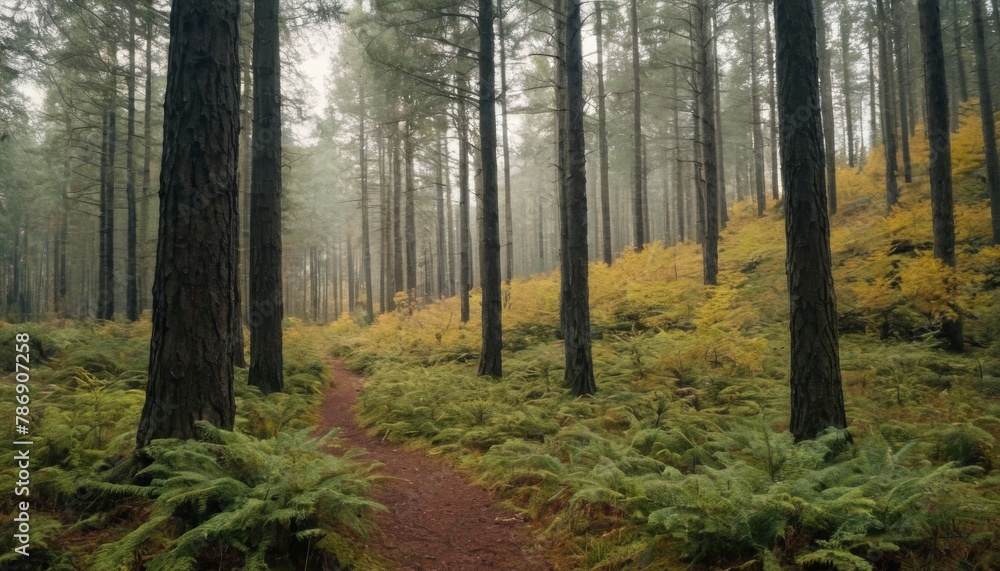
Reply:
x=230, y=490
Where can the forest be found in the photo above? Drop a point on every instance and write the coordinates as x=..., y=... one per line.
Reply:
x=462, y=285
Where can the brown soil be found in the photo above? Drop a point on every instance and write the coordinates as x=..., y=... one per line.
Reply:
x=436, y=521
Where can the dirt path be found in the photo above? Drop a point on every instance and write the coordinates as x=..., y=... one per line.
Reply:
x=436, y=521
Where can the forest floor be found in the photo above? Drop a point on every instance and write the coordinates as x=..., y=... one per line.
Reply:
x=436, y=519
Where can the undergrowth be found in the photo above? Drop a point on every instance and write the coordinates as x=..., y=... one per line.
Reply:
x=682, y=459
x=233, y=500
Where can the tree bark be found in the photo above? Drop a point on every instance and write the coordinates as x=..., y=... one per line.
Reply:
x=452, y=251
x=507, y=204
x=398, y=253
x=465, y=234
x=366, y=244
x=710, y=246
x=720, y=155
x=873, y=124
x=314, y=283
x=845, y=49
x=758, y=136
x=561, y=150
x=385, y=252
x=147, y=156
x=887, y=103
x=411, y=221
x=602, y=138
x=987, y=117
x=638, y=208
x=826, y=106
x=678, y=159
x=897, y=43
x=442, y=244
x=190, y=369
x=352, y=301
x=131, y=264
x=266, y=303
x=817, y=399
x=956, y=23
x=61, y=290
x=579, y=371
x=772, y=104
x=490, y=359
x=106, y=264
x=338, y=286
x=939, y=139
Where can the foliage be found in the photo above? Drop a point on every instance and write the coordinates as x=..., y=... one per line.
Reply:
x=87, y=395
x=268, y=499
x=683, y=459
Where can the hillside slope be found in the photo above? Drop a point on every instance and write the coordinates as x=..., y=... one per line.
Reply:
x=683, y=455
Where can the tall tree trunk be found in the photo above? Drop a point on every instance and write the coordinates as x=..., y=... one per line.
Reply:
x=772, y=104
x=490, y=361
x=911, y=99
x=720, y=155
x=366, y=244
x=986, y=115
x=668, y=211
x=873, y=124
x=602, y=138
x=758, y=136
x=147, y=156
x=411, y=214
x=338, y=286
x=325, y=283
x=888, y=104
x=638, y=208
x=465, y=234
x=678, y=158
x=14, y=293
x=314, y=282
x=266, y=302
x=352, y=300
x=939, y=137
x=398, y=253
x=541, y=236
x=61, y=291
x=698, y=216
x=190, y=367
x=845, y=50
x=710, y=246
x=385, y=252
x=826, y=105
x=246, y=151
x=477, y=168
x=579, y=371
x=561, y=150
x=452, y=251
x=442, y=245
x=699, y=180
x=131, y=265
x=507, y=204
x=817, y=395
x=646, y=223
x=106, y=266
x=956, y=29
x=897, y=43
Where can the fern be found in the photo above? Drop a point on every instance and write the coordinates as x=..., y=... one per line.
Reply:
x=230, y=490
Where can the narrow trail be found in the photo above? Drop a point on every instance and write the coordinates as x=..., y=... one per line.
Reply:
x=436, y=521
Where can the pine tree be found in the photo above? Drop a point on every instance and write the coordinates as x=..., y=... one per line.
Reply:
x=190, y=370
x=817, y=395
x=266, y=300
x=939, y=137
